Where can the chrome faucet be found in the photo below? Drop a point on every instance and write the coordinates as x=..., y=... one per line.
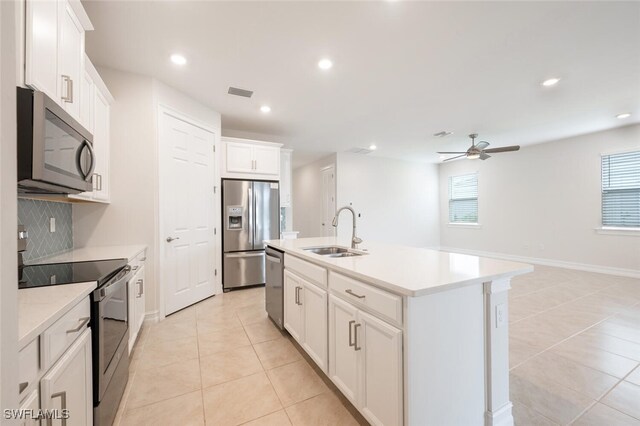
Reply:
x=354, y=239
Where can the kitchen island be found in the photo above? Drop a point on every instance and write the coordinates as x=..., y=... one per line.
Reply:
x=410, y=336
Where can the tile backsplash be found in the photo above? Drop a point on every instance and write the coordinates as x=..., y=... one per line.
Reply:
x=35, y=215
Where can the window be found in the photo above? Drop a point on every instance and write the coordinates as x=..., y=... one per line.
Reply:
x=463, y=199
x=621, y=190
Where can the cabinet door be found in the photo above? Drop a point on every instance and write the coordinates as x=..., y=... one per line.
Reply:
x=239, y=158
x=86, y=101
x=343, y=359
x=314, y=306
x=138, y=320
x=380, y=351
x=101, y=147
x=31, y=404
x=293, y=294
x=285, y=179
x=67, y=386
x=70, y=60
x=41, y=46
x=266, y=160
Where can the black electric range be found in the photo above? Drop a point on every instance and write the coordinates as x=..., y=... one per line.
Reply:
x=68, y=273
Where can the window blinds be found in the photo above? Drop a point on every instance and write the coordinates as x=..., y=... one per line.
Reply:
x=621, y=189
x=463, y=199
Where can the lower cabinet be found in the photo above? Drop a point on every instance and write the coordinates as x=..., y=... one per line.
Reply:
x=67, y=385
x=305, y=313
x=365, y=362
x=136, y=301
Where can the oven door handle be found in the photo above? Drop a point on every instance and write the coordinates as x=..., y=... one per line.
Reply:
x=106, y=290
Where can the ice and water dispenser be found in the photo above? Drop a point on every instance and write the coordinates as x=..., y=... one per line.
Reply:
x=234, y=218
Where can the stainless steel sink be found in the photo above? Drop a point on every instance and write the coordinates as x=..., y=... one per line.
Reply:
x=333, y=251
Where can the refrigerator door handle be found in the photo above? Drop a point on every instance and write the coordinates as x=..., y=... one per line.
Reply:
x=251, y=215
x=245, y=255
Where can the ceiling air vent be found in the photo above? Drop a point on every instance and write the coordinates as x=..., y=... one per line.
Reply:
x=362, y=151
x=240, y=92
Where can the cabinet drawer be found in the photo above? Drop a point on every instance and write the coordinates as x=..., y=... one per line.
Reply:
x=378, y=301
x=57, y=338
x=28, y=365
x=314, y=273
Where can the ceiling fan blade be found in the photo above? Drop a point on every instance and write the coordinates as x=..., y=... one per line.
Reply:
x=457, y=156
x=484, y=156
x=452, y=152
x=482, y=145
x=503, y=149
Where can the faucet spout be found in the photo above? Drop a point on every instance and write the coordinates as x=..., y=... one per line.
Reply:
x=354, y=239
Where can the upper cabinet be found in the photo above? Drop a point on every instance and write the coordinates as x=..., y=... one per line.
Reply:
x=54, y=56
x=243, y=158
x=285, y=177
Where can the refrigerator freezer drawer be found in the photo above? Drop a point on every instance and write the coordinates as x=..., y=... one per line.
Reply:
x=243, y=269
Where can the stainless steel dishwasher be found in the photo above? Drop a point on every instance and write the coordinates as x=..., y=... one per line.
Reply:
x=274, y=288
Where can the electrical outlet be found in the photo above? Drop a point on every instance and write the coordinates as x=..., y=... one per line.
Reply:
x=501, y=313
x=52, y=224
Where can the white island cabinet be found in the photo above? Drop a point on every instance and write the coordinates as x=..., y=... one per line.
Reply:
x=409, y=336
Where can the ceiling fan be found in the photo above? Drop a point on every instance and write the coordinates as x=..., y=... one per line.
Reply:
x=479, y=151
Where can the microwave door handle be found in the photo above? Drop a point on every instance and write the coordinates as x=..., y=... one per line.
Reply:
x=93, y=161
x=86, y=176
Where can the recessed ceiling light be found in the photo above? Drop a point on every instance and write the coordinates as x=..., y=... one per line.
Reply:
x=550, y=82
x=325, y=64
x=265, y=108
x=623, y=115
x=178, y=59
x=373, y=147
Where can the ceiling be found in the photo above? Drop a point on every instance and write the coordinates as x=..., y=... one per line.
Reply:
x=402, y=70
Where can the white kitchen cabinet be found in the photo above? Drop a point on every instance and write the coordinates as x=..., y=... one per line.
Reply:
x=365, y=362
x=95, y=113
x=305, y=316
x=67, y=385
x=54, y=51
x=243, y=158
x=343, y=359
x=136, y=302
x=285, y=177
x=30, y=404
x=293, y=312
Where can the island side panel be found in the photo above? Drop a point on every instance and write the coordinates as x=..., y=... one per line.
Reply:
x=445, y=358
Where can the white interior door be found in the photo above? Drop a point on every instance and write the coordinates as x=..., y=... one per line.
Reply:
x=328, y=200
x=187, y=178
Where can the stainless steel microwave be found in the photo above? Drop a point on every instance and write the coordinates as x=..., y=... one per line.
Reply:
x=55, y=153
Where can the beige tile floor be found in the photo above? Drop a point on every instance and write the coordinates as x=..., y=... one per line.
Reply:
x=575, y=348
x=222, y=362
x=574, y=354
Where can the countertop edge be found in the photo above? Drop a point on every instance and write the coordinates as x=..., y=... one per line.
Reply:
x=50, y=320
x=394, y=288
x=128, y=252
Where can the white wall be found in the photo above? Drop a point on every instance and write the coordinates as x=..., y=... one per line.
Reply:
x=544, y=202
x=396, y=200
x=9, y=78
x=307, y=197
x=132, y=216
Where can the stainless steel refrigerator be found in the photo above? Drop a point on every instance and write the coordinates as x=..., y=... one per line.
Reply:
x=251, y=215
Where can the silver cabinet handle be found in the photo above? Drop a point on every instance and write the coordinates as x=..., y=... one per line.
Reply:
x=169, y=239
x=351, y=343
x=22, y=386
x=355, y=333
x=139, y=283
x=83, y=322
x=135, y=268
x=99, y=182
x=141, y=287
x=348, y=291
x=297, y=296
x=68, y=97
x=63, y=403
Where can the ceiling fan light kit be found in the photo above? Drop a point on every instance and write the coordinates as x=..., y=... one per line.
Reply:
x=479, y=150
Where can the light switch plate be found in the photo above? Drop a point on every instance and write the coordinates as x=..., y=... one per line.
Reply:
x=52, y=224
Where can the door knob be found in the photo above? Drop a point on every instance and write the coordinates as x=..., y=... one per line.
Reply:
x=169, y=239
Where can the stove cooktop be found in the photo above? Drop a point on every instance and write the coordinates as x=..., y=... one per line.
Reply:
x=69, y=273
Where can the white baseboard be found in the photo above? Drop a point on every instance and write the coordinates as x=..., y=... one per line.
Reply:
x=502, y=417
x=633, y=273
x=152, y=317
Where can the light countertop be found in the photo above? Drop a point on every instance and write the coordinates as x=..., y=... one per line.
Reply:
x=40, y=307
x=86, y=254
x=403, y=270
